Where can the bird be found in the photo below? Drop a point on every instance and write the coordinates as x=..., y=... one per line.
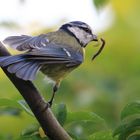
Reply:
x=55, y=54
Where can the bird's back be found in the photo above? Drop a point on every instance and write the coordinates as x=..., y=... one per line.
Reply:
x=59, y=71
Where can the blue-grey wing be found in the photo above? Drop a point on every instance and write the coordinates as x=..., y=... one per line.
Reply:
x=26, y=66
x=25, y=42
x=56, y=55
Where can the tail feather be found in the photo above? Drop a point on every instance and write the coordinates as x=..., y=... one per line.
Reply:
x=13, y=68
x=32, y=71
x=21, y=72
x=20, y=66
x=5, y=61
x=28, y=71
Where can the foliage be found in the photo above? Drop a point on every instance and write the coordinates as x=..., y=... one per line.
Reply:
x=129, y=128
x=84, y=125
x=80, y=125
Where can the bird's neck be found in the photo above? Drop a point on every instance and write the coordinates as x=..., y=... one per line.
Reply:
x=62, y=37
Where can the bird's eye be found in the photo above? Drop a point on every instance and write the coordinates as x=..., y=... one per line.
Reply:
x=87, y=30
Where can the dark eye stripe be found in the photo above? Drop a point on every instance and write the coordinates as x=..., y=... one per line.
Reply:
x=86, y=29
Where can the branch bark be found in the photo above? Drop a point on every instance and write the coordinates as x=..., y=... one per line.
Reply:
x=37, y=104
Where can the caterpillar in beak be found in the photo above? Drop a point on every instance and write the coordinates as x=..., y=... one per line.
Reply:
x=100, y=50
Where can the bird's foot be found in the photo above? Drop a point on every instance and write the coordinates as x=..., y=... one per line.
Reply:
x=50, y=103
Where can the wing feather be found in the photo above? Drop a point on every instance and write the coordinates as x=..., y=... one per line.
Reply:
x=25, y=42
x=26, y=65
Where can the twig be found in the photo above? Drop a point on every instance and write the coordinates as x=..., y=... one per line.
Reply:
x=37, y=104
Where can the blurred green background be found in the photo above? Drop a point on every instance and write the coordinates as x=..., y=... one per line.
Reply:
x=104, y=86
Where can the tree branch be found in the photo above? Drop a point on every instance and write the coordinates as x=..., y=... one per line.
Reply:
x=37, y=104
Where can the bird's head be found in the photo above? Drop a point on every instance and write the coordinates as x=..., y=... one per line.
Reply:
x=83, y=33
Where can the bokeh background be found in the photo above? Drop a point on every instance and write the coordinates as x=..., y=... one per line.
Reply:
x=104, y=86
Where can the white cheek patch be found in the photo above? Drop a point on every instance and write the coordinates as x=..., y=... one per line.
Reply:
x=79, y=33
x=67, y=52
x=76, y=31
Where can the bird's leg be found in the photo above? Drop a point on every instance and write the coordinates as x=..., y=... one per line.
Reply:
x=55, y=88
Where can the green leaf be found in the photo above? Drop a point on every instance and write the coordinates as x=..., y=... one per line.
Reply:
x=125, y=130
x=134, y=137
x=102, y=135
x=82, y=129
x=119, y=129
x=126, y=134
x=25, y=106
x=100, y=3
x=73, y=136
x=30, y=130
x=131, y=109
x=21, y=104
x=82, y=124
x=10, y=111
x=61, y=113
x=87, y=116
x=34, y=137
x=4, y=102
x=32, y=133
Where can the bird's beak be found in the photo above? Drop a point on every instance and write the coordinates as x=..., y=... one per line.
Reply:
x=95, y=38
x=101, y=48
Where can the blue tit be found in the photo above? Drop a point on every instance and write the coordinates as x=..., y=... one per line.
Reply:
x=55, y=54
